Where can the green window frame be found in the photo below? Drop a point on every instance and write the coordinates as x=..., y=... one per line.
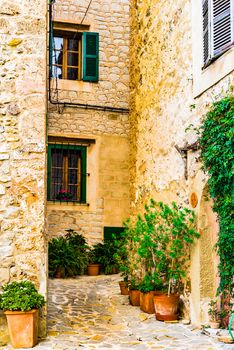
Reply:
x=66, y=182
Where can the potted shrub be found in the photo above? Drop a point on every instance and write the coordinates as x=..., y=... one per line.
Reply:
x=67, y=255
x=214, y=314
x=93, y=267
x=20, y=302
x=149, y=287
x=163, y=236
x=105, y=253
x=134, y=292
x=176, y=234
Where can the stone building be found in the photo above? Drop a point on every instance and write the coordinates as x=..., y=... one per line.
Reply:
x=65, y=130
x=89, y=110
x=182, y=59
x=64, y=152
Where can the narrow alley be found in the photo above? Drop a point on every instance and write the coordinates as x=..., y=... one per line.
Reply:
x=89, y=313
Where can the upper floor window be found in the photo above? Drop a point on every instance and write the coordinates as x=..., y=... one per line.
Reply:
x=75, y=55
x=218, y=28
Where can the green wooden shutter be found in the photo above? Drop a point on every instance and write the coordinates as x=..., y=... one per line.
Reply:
x=222, y=25
x=90, y=56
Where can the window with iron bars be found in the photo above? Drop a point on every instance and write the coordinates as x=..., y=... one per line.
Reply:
x=66, y=173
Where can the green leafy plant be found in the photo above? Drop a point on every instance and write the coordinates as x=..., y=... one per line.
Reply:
x=163, y=237
x=150, y=283
x=20, y=296
x=105, y=255
x=68, y=253
x=216, y=142
x=213, y=311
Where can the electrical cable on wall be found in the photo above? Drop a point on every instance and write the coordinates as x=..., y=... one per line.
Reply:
x=86, y=11
x=55, y=90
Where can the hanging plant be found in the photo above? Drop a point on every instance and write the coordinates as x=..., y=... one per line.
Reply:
x=216, y=143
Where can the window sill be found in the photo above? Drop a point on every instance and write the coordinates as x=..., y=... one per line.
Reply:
x=213, y=72
x=71, y=85
x=68, y=205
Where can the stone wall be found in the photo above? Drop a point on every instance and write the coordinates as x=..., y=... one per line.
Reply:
x=22, y=145
x=163, y=108
x=108, y=158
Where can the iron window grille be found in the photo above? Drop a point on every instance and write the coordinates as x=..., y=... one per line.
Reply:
x=66, y=173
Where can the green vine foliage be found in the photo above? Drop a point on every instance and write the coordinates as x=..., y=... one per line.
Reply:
x=216, y=142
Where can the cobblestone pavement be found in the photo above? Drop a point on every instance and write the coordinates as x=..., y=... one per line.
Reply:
x=90, y=313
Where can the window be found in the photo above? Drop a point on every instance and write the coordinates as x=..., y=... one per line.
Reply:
x=218, y=28
x=75, y=55
x=67, y=172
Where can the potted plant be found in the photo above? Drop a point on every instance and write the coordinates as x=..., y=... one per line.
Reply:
x=214, y=314
x=149, y=287
x=20, y=302
x=64, y=195
x=93, y=267
x=67, y=255
x=163, y=236
x=175, y=234
x=105, y=253
x=134, y=292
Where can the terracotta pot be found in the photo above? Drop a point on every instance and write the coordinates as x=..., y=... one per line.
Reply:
x=59, y=273
x=23, y=328
x=115, y=270
x=93, y=269
x=147, y=302
x=166, y=307
x=214, y=324
x=134, y=296
x=123, y=288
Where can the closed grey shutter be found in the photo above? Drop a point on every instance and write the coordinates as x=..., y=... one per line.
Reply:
x=222, y=25
x=206, y=30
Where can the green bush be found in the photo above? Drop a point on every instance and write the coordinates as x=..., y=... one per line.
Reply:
x=216, y=142
x=20, y=296
x=104, y=254
x=69, y=253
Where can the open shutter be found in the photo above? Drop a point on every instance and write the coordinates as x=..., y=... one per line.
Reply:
x=90, y=56
x=222, y=25
x=206, y=31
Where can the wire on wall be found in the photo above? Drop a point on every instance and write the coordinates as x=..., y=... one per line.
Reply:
x=54, y=90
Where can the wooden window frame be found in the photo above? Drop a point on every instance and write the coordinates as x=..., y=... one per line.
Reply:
x=66, y=36
x=83, y=160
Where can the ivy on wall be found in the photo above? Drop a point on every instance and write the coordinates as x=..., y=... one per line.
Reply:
x=216, y=142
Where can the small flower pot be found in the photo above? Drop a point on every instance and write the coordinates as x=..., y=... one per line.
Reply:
x=123, y=288
x=147, y=302
x=214, y=324
x=166, y=307
x=93, y=269
x=23, y=328
x=134, y=296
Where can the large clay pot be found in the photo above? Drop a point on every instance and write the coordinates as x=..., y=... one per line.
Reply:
x=123, y=288
x=23, y=328
x=134, y=296
x=166, y=307
x=93, y=269
x=147, y=302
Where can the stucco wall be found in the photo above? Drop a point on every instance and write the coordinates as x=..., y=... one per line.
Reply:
x=22, y=144
x=108, y=157
x=163, y=107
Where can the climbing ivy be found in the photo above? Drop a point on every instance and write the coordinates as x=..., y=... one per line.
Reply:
x=216, y=142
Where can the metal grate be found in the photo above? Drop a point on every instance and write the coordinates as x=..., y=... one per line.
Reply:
x=67, y=173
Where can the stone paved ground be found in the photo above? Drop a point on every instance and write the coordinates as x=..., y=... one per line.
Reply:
x=90, y=313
